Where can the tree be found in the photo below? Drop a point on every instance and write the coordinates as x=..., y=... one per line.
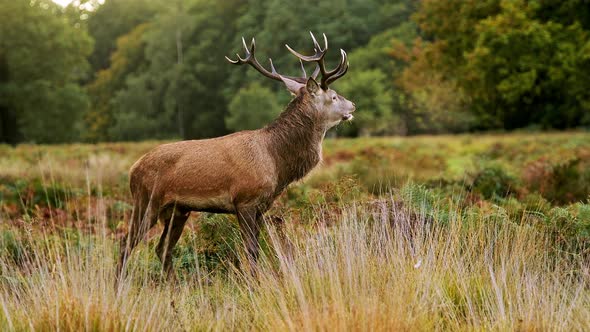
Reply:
x=136, y=116
x=509, y=63
x=114, y=19
x=524, y=71
x=368, y=89
x=39, y=94
x=251, y=108
x=430, y=103
x=370, y=84
x=177, y=85
x=129, y=58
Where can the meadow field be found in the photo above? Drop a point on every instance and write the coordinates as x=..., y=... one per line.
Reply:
x=460, y=233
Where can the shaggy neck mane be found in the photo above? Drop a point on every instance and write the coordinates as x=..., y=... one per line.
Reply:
x=296, y=140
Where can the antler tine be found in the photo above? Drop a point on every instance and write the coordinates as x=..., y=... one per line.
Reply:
x=296, y=79
x=319, y=53
x=317, y=45
x=272, y=67
x=341, y=69
x=251, y=60
x=252, y=45
x=303, y=68
x=231, y=61
x=316, y=71
x=308, y=58
x=244, y=43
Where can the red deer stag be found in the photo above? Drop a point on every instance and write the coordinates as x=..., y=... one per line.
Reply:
x=241, y=173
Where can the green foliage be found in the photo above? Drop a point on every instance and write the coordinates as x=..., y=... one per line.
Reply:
x=429, y=102
x=189, y=94
x=430, y=203
x=178, y=91
x=42, y=56
x=158, y=69
x=570, y=226
x=517, y=63
x=251, y=108
x=126, y=60
x=114, y=19
x=136, y=117
x=491, y=180
x=373, y=102
x=27, y=195
x=375, y=67
x=559, y=180
x=214, y=245
x=52, y=114
x=529, y=70
x=12, y=247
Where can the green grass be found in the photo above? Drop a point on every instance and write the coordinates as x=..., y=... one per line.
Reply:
x=468, y=232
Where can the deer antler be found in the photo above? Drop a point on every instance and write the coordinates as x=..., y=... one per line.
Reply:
x=327, y=76
x=251, y=60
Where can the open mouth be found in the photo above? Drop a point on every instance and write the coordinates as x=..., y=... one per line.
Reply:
x=347, y=117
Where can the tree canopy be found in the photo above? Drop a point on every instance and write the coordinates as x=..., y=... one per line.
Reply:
x=42, y=57
x=154, y=69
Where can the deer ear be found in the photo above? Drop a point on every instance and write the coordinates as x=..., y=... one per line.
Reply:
x=312, y=86
x=293, y=86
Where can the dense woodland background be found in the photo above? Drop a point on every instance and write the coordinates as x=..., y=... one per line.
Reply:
x=153, y=69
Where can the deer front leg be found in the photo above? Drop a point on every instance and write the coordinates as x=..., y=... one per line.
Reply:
x=286, y=247
x=249, y=221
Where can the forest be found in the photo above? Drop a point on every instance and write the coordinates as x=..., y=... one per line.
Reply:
x=130, y=70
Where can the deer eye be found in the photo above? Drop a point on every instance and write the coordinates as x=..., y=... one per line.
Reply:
x=334, y=98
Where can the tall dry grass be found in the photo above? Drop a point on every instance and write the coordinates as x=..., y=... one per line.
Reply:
x=380, y=267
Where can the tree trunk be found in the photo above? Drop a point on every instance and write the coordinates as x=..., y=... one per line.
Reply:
x=179, y=61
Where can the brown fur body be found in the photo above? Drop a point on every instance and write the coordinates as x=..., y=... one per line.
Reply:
x=241, y=173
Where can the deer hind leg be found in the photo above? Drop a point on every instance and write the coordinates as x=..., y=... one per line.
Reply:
x=143, y=217
x=174, y=221
x=249, y=220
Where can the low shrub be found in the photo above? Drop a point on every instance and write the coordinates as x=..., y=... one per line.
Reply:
x=491, y=179
x=214, y=242
x=561, y=181
x=28, y=194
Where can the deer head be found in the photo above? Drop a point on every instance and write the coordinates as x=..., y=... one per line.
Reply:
x=328, y=106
